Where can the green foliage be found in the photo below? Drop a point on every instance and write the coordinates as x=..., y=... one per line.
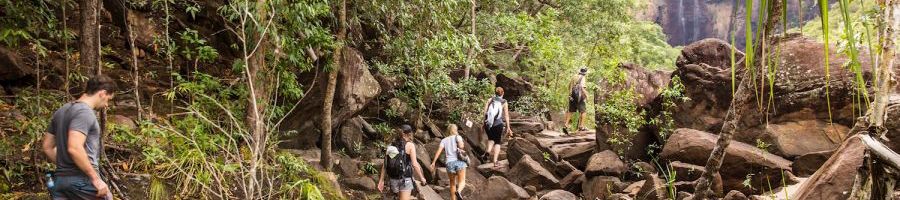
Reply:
x=671, y=96
x=547, y=41
x=294, y=172
x=622, y=114
x=369, y=168
x=762, y=145
x=747, y=181
x=385, y=130
x=31, y=20
x=195, y=47
x=20, y=150
x=157, y=189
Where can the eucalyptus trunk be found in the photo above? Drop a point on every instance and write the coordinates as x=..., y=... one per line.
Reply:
x=327, y=161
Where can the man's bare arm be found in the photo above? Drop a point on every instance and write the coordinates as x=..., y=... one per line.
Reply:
x=75, y=148
x=49, y=146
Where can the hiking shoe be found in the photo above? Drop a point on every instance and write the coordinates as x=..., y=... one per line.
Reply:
x=582, y=129
x=458, y=196
x=566, y=131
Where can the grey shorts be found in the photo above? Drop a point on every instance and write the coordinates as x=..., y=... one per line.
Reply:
x=395, y=186
x=75, y=187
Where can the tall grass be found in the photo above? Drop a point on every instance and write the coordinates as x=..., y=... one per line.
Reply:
x=862, y=94
x=748, y=42
x=823, y=10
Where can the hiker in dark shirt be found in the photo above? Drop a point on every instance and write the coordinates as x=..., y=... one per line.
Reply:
x=72, y=142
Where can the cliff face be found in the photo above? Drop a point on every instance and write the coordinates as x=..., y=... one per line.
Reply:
x=687, y=21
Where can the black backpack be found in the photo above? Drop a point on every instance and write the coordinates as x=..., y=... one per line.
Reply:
x=397, y=167
x=576, y=91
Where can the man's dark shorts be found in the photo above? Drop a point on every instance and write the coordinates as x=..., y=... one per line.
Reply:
x=577, y=106
x=74, y=187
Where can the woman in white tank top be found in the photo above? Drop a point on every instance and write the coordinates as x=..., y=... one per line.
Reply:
x=452, y=145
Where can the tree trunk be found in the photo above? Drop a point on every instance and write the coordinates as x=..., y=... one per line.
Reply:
x=327, y=162
x=884, y=75
x=89, y=49
x=741, y=105
x=66, y=50
x=258, y=78
x=471, y=54
x=135, y=76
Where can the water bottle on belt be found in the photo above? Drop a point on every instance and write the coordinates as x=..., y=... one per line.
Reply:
x=50, y=183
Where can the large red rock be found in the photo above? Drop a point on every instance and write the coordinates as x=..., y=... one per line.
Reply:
x=693, y=146
x=514, y=87
x=355, y=88
x=654, y=188
x=600, y=187
x=807, y=164
x=520, y=147
x=605, y=163
x=13, y=66
x=498, y=187
x=685, y=171
x=796, y=138
x=558, y=195
x=576, y=154
x=528, y=172
x=835, y=178
x=797, y=121
x=572, y=182
x=526, y=125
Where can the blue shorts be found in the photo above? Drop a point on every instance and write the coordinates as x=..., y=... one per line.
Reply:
x=455, y=166
x=74, y=187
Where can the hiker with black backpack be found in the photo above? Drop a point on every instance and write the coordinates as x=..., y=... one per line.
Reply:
x=577, y=100
x=496, y=120
x=456, y=160
x=399, y=164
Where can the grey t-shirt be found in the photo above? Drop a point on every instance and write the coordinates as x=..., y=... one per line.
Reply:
x=75, y=116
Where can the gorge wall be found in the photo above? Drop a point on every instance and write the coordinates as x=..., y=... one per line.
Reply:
x=687, y=21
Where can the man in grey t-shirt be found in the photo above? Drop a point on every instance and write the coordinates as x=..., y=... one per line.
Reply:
x=74, y=128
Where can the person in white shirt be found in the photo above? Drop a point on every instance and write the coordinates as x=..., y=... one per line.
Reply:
x=453, y=146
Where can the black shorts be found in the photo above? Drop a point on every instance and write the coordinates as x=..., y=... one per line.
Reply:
x=495, y=133
x=577, y=106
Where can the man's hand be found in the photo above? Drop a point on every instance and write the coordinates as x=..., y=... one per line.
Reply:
x=102, y=188
x=381, y=186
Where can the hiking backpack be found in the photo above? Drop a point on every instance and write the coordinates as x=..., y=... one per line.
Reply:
x=576, y=91
x=397, y=165
x=494, y=114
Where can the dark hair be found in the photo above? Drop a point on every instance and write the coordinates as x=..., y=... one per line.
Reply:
x=100, y=82
x=583, y=71
x=498, y=91
x=406, y=128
